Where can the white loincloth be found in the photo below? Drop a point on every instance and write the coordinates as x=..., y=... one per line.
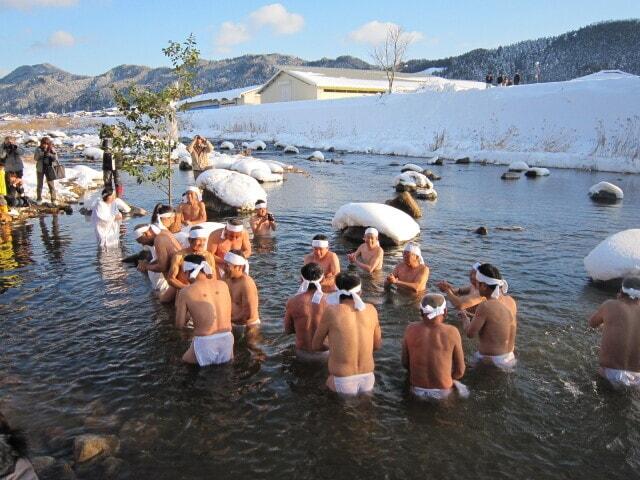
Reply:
x=355, y=384
x=506, y=361
x=441, y=393
x=240, y=329
x=621, y=378
x=306, y=356
x=213, y=349
x=158, y=282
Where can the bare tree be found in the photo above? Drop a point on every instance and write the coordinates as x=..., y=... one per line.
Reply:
x=390, y=55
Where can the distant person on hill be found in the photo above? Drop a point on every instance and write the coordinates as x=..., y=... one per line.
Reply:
x=327, y=259
x=44, y=156
x=263, y=222
x=11, y=155
x=516, y=78
x=14, y=464
x=499, y=80
x=110, y=165
x=412, y=273
x=489, y=80
x=494, y=322
x=369, y=256
x=199, y=148
x=620, y=345
x=508, y=82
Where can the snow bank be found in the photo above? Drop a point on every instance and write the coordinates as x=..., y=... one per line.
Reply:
x=233, y=188
x=92, y=153
x=180, y=153
x=588, y=124
x=615, y=257
x=389, y=221
x=606, y=189
x=76, y=178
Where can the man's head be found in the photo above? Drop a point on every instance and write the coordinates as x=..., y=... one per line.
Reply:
x=412, y=255
x=630, y=288
x=491, y=272
x=347, y=281
x=472, y=274
x=108, y=195
x=145, y=233
x=193, y=195
x=433, y=307
x=10, y=140
x=371, y=237
x=45, y=142
x=234, y=229
x=164, y=214
x=261, y=208
x=13, y=177
x=311, y=272
x=234, y=263
x=195, y=266
x=198, y=238
x=320, y=245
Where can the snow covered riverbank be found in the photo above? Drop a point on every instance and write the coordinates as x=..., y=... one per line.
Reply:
x=588, y=123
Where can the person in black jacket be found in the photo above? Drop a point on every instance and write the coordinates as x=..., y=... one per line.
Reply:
x=500, y=79
x=110, y=165
x=516, y=78
x=489, y=80
x=15, y=191
x=45, y=156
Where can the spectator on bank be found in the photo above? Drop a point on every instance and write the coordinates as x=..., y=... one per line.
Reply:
x=44, y=156
x=14, y=464
x=499, y=80
x=199, y=148
x=489, y=80
x=111, y=164
x=11, y=155
x=516, y=78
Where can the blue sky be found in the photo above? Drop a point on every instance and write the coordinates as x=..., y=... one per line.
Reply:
x=91, y=36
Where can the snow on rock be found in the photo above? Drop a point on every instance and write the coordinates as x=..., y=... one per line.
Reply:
x=388, y=220
x=255, y=145
x=317, y=156
x=606, y=192
x=518, y=166
x=291, y=149
x=412, y=179
x=92, y=153
x=279, y=144
x=221, y=160
x=537, y=172
x=234, y=189
x=180, y=153
x=255, y=168
x=277, y=167
x=615, y=257
x=412, y=167
x=227, y=145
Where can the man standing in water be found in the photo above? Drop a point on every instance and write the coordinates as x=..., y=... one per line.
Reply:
x=327, y=260
x=263, y=222
x=244, y=293
x=411, y=274
x=232, y=237
x=197, y=245
x=494, y=322
x=463, y=298
x=620, y=346
x=432, y=352
x=192, y=210
x=304, y=311
x=370, y=252
x=207, y=303
x=354, y=333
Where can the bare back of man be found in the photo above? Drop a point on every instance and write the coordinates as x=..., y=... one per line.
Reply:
x=330, y=265
x=620, y=345
x=302, y=317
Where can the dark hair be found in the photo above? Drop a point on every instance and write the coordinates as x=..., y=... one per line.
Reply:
x=311, y=272
x=346, y=281
x=490, y=271
x=320, y=237
x=15, y=438
x=433, y=300
x=194, y=258
x=107, y=192
x=195, y=227
x=235, y=221
x=140, y=225
x=159, y=209
x=260, y=201
x=632, y=281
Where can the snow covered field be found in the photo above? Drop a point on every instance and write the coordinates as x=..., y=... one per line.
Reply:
x=588, y=123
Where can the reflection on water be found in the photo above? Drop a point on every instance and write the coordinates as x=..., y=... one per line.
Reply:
x=79, y=327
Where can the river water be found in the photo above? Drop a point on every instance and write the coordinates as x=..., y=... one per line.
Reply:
x=84, y=346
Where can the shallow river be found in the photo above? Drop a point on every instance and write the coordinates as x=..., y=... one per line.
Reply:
x=79, y=326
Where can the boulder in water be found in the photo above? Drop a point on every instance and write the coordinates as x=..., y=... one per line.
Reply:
x=615, y=257
x=410, y=180
x=537, y=172
x=316, y=156
x=185, y=166
x=229, y=192
x=405, y=202
x=226, y=145
x=463, y=161
x=398, y=226
x=426, y=194
x=510, y=176
x=518, y=166
x=431, y=176
x=605, y=192
x=412, y=167
x=438, y=161
x=88, y=446
x=482, y=230
x=255, y=145
x=291, y=149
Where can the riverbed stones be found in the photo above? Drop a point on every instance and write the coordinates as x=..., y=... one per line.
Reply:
x=431, y=176
x=185, y=166
x=439, y=161
x=463, y=161
x=405, y=202
x=102, y=423
x=88, y=446
x=605, y=192
x=518, y=166
x=139, y=433
x=426, y=194
x=536, y=172
x=510, y=176
x=482, y=230
x=291, y=149
x=56, y=470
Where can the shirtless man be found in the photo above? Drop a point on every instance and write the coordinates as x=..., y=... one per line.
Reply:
x=244, y=294
x=494, y=322
x=463, y=298
x=232, y=237
x=263, y=222
x=197, y=245
x=620, y=346
x=146, y=238
x=354, y=333
x=165, y=246
x=326, y=259
x=192, y=211
x=432, y=352
x=304, y=311
x=370, y=252
x=411, y=273
x=207, y=303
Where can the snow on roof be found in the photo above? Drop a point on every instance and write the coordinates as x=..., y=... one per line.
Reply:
x=227, y=95
x=432, y=70
x=605, y=75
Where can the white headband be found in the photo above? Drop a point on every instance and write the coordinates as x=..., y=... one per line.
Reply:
x=235, y=228
x=198, y=233
x=196, y=268
x=167, y=215
x=503, y=286
x=371, y=231
x=195, y=190
x=234, y=259
x=157, y=228
x=320, y=243
x=261, y=205
x=631, y=293
x=317, y=296
x=476, y=266
x=141, y=231
x=334, y=298
x=415, y=249
x=431, y=312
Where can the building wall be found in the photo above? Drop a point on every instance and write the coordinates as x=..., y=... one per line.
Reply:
x=249, y=98
x=332, y=95
x=286, y=88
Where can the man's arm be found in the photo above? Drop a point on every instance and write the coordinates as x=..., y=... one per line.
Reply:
x=202, y=214
x=181, y=309
x=377, y=332
x=174, y=270
x=473, y=327
x=321, y=332
x=246, y=245
x=372, y=264
x=252, y=300
x=458, y=356
x=289, y=326
x=405, y=351
x=597, y=318
x=161, y=264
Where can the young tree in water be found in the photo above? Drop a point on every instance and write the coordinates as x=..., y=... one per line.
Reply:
x=390, y=54
x=148, y=129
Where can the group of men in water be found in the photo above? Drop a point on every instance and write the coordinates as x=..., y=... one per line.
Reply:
x=214, y=295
